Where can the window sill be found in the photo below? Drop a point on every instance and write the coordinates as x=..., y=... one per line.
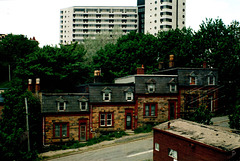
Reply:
x=106, y=126
x=150, y=116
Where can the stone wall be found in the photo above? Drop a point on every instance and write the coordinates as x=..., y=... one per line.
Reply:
x=73, y=121
x=162, y=109
x=118, y=114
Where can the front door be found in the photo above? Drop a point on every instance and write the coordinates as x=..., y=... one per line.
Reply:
x=129, y=121
x=83, y=132
x=171, y=110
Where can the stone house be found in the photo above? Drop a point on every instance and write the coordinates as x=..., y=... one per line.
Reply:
x=128, y=103
x=185, y=140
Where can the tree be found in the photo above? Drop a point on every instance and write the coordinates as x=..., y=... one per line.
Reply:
x=130, y=52
x=13, y=146
x=93, y=45
x=58, y=68
x=13, y=48
x=234, y=118
x=179, y=43
x=201, y=115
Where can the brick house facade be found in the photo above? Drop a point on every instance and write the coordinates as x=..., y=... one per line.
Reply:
x=128, y=103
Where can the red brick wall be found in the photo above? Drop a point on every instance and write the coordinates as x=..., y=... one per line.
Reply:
x=184, y=150
x=73, y=121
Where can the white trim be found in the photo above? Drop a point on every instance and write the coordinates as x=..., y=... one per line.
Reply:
x=86, y=106
x=104, y=97
x=64, y=106
x=127, y=96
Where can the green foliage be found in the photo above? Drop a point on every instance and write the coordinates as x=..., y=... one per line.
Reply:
x=130, y=52
x=234, y=118
x=144, y=129
x=201, y=115
x=13, y=145
x=77, y=144
x=58, y=68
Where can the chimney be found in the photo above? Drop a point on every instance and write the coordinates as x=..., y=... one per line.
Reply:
x=97, y=76
x=171, y=61
x=37, y=86
x=140, y=70
x=204, y=64
x=161, y=65
x=29, y=84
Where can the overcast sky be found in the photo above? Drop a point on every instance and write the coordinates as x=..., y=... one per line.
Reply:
x=41, y=18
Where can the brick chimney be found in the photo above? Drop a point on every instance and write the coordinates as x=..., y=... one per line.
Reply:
x=140, y=70
x=204, y=64
x=97, y=76
x=37, y=85
x=171, y=61
x=29, y=84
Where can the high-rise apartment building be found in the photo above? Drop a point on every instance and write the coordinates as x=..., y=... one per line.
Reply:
x=76, y=23
x=155, y=15
x=149, y=16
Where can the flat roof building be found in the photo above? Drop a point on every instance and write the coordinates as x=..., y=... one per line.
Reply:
x=185, y=140
x=157, y=15
x=77, y=23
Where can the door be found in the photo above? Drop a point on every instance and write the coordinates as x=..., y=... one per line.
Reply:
x=128, y=121
x=171, y=110
x=83, y=132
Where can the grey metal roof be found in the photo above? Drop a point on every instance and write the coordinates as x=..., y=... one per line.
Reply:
x=50, y=100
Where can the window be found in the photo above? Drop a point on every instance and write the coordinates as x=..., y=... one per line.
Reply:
x=61, y=130
x=156, y=146
x=83, y=106
x=106, y=94
x=151, y=88
x=211, y=80
x=61, y=104
x=106, y=119
x=150, y=109
x=129, y=96
x=173, y=87
x=193, y=79
x=172, y=153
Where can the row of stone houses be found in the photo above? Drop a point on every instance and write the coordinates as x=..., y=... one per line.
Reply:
x=128, y=103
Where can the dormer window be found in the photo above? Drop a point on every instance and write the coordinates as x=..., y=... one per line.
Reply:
x=107, y=92
x=129, y=94
x=193, y=79
x=173, y=85
x=61, y=104
x=83, y=103
x=211, y=79
x=151, y=86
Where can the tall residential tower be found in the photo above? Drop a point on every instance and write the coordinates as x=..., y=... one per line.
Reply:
x=155, y=15
x=80, y=22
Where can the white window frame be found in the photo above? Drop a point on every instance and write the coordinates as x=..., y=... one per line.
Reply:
x=173, y=154
x=209, y=80
x=64, y=106
x=106, y=119
x=109, y=97
x=173, y=87
x=151, y=86
x=195, y=80
x=156, y=146
x=129, y=95
x=81, y=105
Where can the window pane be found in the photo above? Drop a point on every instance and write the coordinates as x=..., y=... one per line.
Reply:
x=109, y=119
x=102, y=119
x=152, y=110
x=57, y=130
x=61, y=105
x=64, y=130
x=146, y=110
x=83, y=106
